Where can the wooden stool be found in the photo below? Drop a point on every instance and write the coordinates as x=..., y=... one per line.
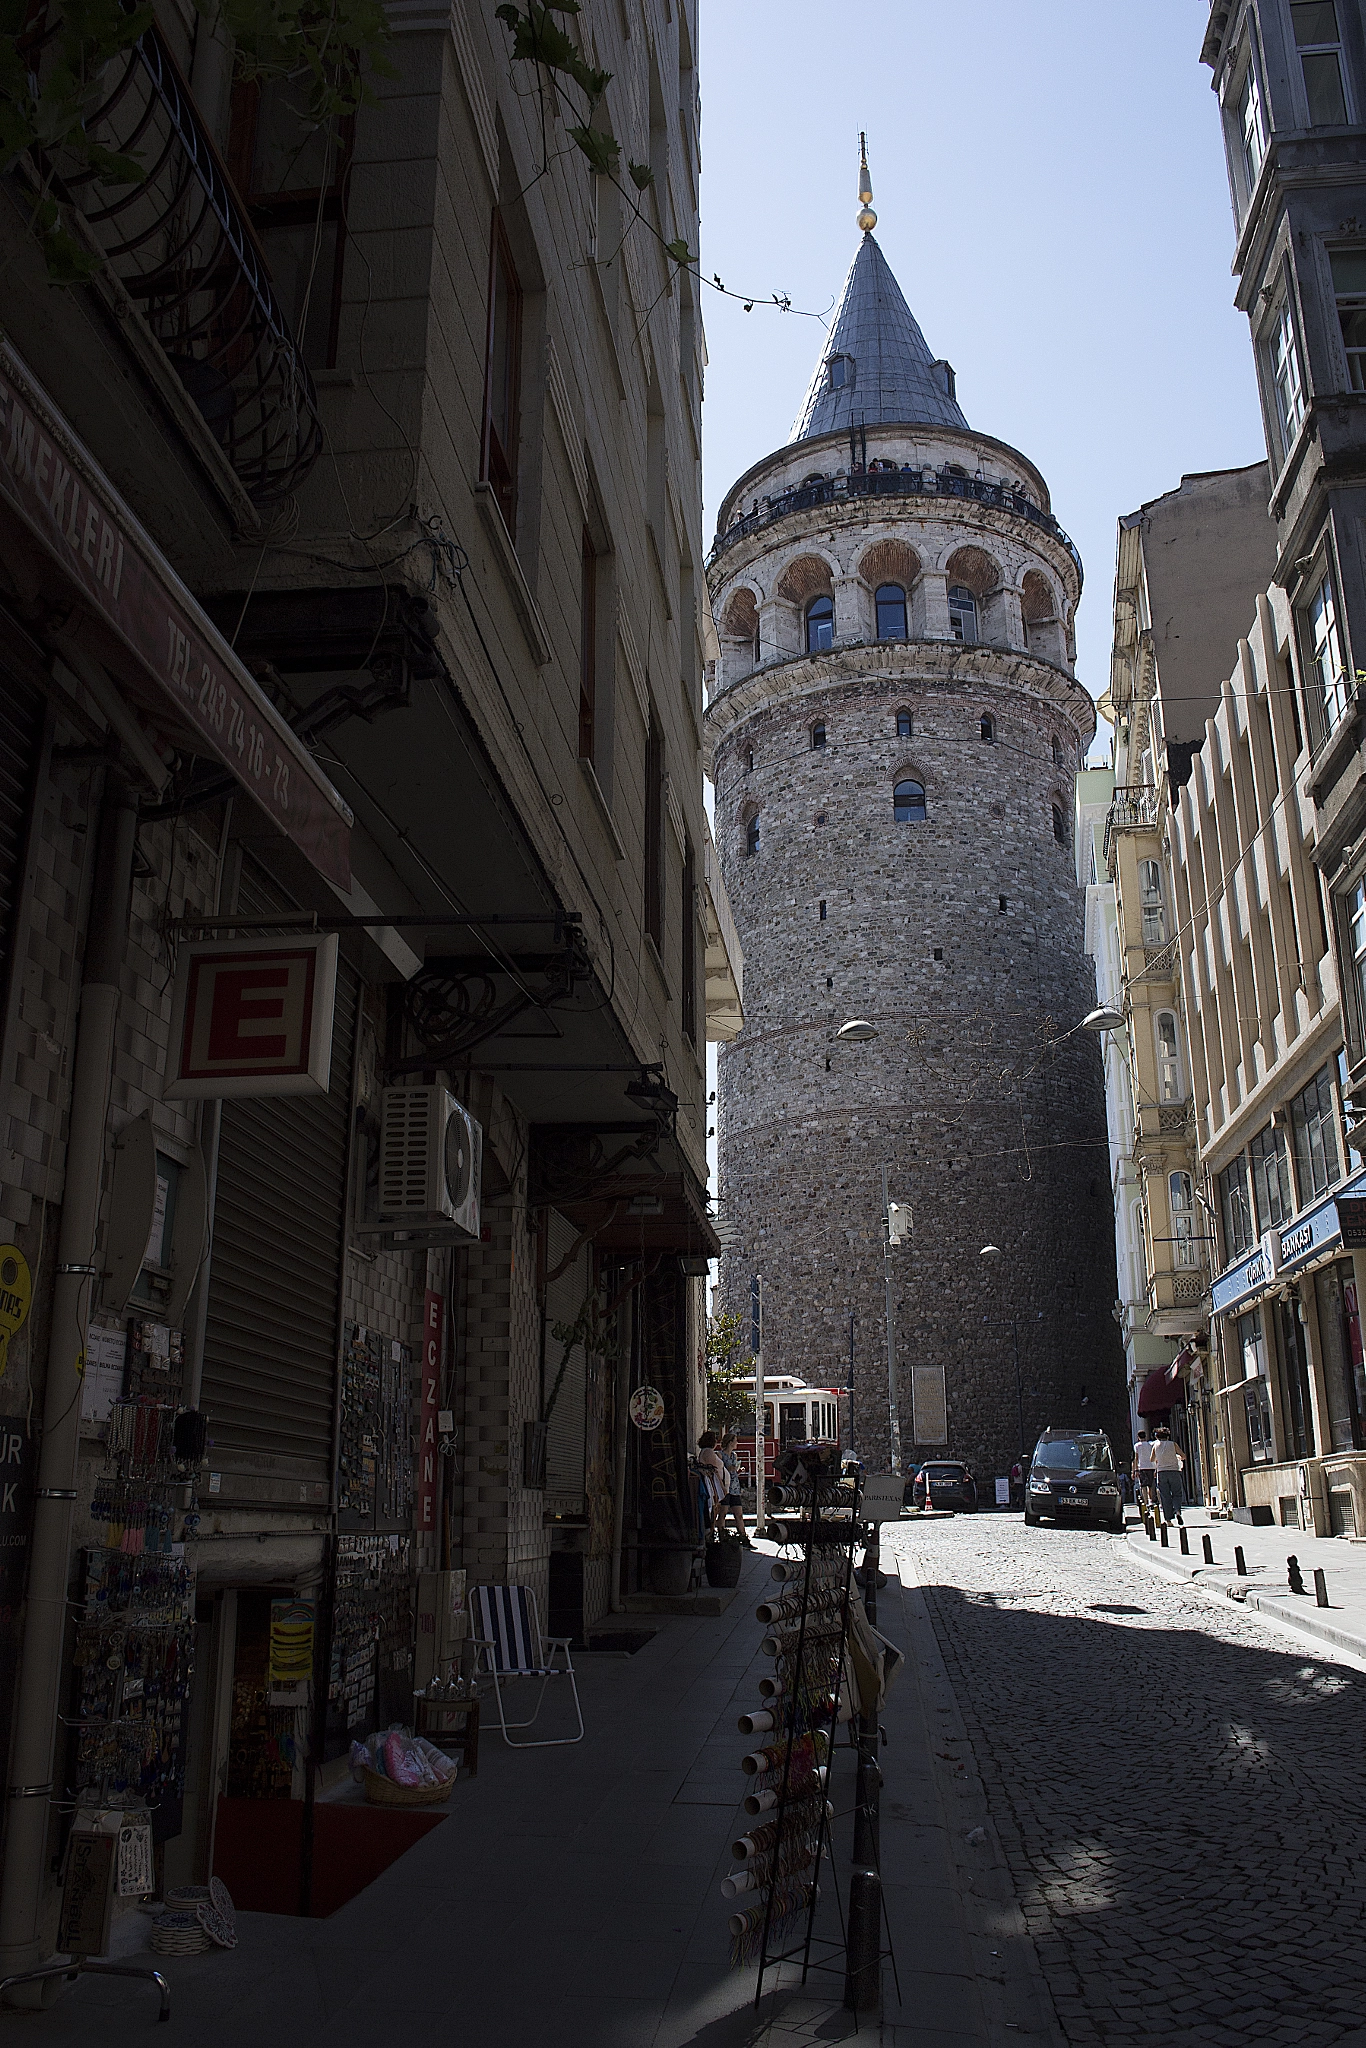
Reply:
x=432, y=1722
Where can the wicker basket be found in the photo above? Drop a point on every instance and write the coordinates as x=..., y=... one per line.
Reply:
x=382, y=1791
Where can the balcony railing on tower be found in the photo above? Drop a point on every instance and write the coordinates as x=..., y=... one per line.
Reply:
x=179, y=241
x=912, y=481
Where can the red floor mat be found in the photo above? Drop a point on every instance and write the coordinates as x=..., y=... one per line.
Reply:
x=256, y=1851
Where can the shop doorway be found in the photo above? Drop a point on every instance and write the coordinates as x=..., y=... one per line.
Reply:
x=1297, y=1415
x=1335, y=1295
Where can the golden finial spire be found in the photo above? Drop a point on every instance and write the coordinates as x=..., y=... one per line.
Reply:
x=867, y=219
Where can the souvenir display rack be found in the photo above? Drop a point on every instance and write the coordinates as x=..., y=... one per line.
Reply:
x=777, y=1884
x=371, y=1665
x=134, y=1647
x=375, y=1479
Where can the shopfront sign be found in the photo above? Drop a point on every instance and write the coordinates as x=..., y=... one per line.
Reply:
x=61, y=495
x=433, y=1323
x=1249, y=1276
x=1352, y=1221
x=253, y=1017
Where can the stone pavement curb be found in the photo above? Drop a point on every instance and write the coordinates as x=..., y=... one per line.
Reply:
x=1297, y=1611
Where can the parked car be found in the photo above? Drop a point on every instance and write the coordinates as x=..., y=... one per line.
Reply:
x=951, y=1485
x=1072, y=1478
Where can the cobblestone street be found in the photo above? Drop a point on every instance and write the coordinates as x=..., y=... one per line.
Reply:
x=1177, y=1788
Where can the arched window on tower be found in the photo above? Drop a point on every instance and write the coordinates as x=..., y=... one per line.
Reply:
x=818, y=735
x=820, y=625
x=891, y=611
x=908, y=803
x=749, y=760
x=1059, y=826
x=1057, y=752
x=903, y=725
x=752, y=834
x=988, y=728
x=963, y=614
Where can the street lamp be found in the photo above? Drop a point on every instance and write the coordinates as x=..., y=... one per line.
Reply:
x=1105, y=1018
x=993, y=1251
x=896, y=1229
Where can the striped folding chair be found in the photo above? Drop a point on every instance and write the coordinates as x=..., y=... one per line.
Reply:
x=508, y=1644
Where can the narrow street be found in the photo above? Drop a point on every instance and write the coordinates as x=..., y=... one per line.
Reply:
x=1178, y=1789
x=1115, y=1810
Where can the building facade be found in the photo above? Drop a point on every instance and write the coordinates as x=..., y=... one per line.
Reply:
x=895, y=729
x=349, y=599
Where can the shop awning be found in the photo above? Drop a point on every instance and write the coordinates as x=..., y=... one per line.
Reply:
x=151, y=631
x=1162, y=1391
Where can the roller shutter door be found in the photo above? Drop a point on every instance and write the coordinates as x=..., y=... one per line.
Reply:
x=275, y=1283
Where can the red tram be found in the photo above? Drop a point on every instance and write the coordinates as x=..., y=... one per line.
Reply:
x=793, y=1414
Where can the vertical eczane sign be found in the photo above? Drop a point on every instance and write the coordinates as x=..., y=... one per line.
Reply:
x=433, y=1323
x=254, y=1017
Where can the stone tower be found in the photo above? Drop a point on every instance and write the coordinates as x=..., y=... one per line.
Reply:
x=894, y=728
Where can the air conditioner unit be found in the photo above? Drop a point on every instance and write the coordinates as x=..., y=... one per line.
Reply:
x=430, y=1154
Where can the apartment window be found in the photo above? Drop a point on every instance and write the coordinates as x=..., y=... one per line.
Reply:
x=1314, y=1121
x=654, y=834
x=1320, y=48
x=1170, y=1086
x=687, y=984
x=1271, y=1192
x=1287, y=383
x=502, y=377
x=1251, y=124
x=588, y=650
x=1181, y=1203
x=962, y=614
x=908, y=804
x=1151, y=906
x=1323, y=657
x=820, y=625
x=891, y=611
x=903, y=725
x=1256, y=1399
x=1235, y=1209
x=1349, y=289
x=1356, y=933
x=295, y=194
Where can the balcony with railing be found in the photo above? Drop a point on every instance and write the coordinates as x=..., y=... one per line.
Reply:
x=179, y=241
x=1132, y=806
x=910, y=482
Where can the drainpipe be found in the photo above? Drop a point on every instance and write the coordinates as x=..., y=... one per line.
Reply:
x=42, y=1672
x=621, y=1400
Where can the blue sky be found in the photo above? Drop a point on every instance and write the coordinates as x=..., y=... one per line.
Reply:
x=1050, y=187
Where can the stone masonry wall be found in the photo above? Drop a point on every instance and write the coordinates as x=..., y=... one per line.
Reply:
x=960, y=938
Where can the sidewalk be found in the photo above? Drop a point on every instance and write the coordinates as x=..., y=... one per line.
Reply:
x=1342, y=1622
x=571, y=1899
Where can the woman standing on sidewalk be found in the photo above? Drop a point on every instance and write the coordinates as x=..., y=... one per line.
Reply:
x=1168, y=1465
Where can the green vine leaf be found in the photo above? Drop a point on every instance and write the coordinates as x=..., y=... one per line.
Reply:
x=641, y=175
x=679, y=250
x=603, y=151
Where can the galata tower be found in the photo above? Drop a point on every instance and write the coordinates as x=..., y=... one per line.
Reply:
x=894, y=730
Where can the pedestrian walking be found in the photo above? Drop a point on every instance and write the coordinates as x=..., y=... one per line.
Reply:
x=731, y=1505
x=1145, y=1478
x=714, y=1477
x=1168, y=1464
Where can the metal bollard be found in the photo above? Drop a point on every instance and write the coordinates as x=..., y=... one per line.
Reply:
x=1185, y=1542
x=1294, y=1575
x=1152, y=1529
x=1238, y=1563
x=1320, y=1589
x=1165, y=1544
x=1208, y=1548
x=863, y=1965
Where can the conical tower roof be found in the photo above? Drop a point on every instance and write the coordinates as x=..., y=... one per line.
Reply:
x=886, y=375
